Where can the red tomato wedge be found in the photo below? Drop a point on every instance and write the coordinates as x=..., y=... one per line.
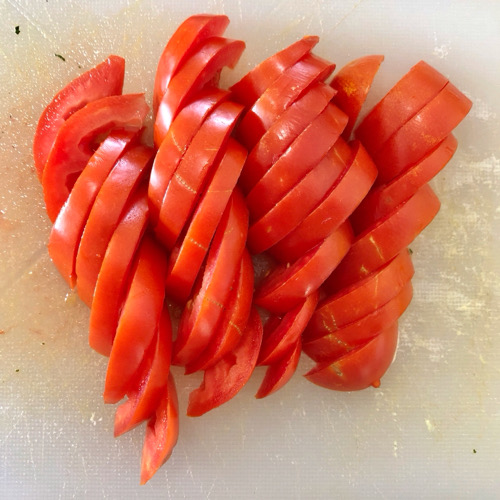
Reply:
x=186, y=40
x=410, y=94
x=104, y=80
x=68, y=227
x=283, y=132
x=344, y=196
x=201, y=314
x=179, y=137
x=144, y=399
x=380, y=243
x=226, y=378
x=288, y=284
x=281, y=371
x=384, y=198
x=233, y=321
x=422, y=133
x=138, y=321
x=183, y=190
x=361, y=367
x=352, y=84
x=200, y=69
x=124, y=178
x=114, y=274
x=282, y=333
x=73, y=146
x=162, y=433
x=280, y=95
x=188, y=254
x=262, y=76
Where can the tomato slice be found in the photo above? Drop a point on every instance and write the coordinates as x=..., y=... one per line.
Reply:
x=422, y=133
x=104, y=216
x=104, y=80
x=162, y=433
x=188, y=254
x=384, y=198
x=72, y=147
x=114, y=274
x=185, y=41
x=361, y=367
x=288, y=284
x=262, y=76
x=283, y=132
x=179, y=137
x=141, y=313
x=226, y=378
x=352, y=84
x=187, y=182
x=68, y=227
x=201, y=314
x=144, y=399
x=200, y=69
x=410, y=94
x=281, y=371
x=233, y=321
x=282, y=333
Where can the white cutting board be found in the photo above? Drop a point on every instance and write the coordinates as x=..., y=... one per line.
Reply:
x=433, y=427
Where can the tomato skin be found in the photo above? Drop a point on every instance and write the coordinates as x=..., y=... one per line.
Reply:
x=72, y=147
x=360, y=368
x=103, y=80
x=226, y=378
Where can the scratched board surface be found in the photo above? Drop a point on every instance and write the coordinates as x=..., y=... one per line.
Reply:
x=431, y=429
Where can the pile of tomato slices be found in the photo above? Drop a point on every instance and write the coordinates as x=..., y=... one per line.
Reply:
x=275, y=172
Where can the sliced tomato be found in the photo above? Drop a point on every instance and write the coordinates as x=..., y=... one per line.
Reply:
x=406, y=98
x=114, y=274
x=226, y=378
x=263, y=75
x=68, y=227
x=104, y=80
x=122, y=181
x=360, y=368
x=74, y=144
x=384, y=198
x=188, y=254
x=202, y=68
x=206, y=148
x=281, y=371
x=162, y=433
x=138, y=321
x=201, y=314
x=352, y=84
x=185, y=40
x=282, y=333
x=288, y=284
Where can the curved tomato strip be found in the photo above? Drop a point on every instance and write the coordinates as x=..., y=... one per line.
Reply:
x=226, y=378
x=360, y=368
x=345, y=195
x=162, y=433
x=262, y=76
x=352, y=84
x=104, y=80
x=186, y=183
x=105, y=214
x=288, y=284
x=189, y=253
x=199, y=70
x=114, y=273
x=68, y=227
x=186, y=39
x=138, y=321
x=201, y=314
